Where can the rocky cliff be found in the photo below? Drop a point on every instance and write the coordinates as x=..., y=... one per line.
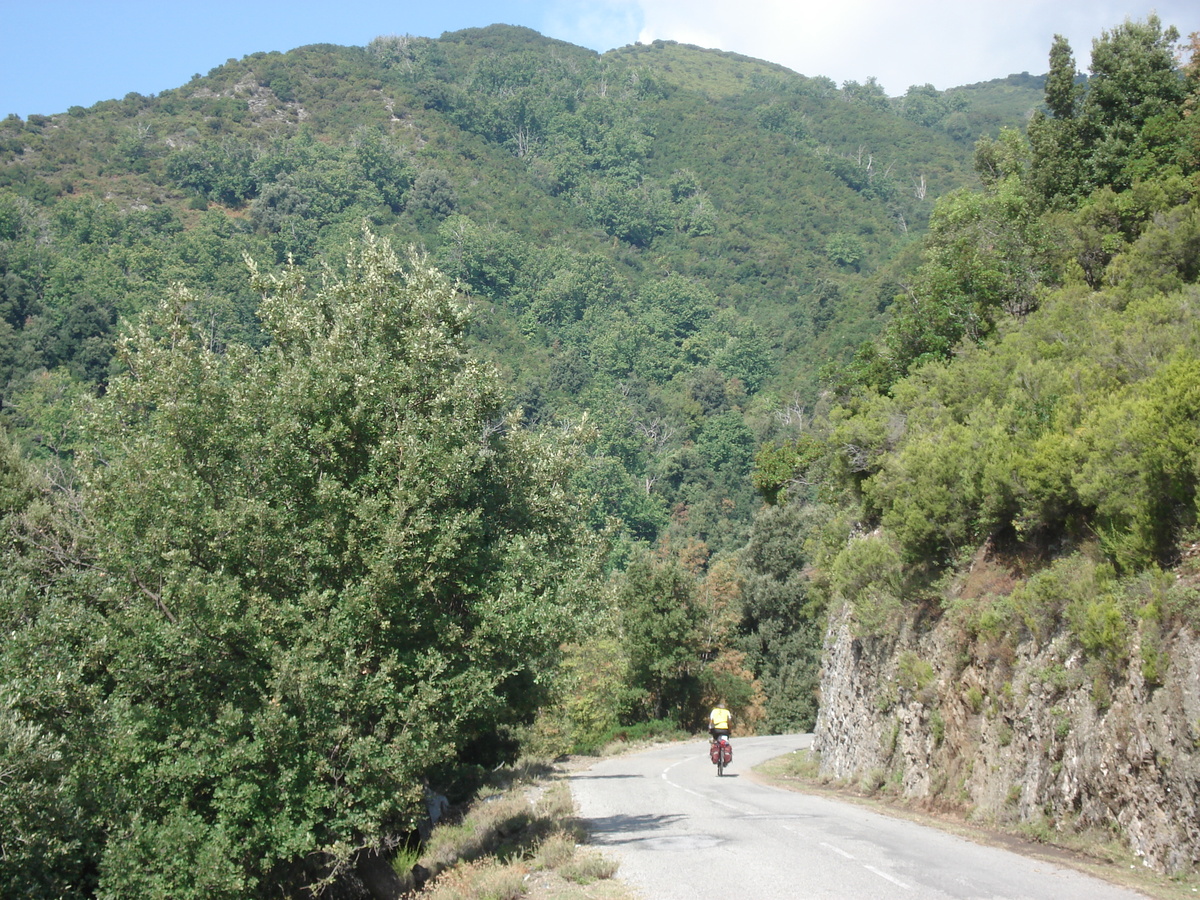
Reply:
x=1024, y=730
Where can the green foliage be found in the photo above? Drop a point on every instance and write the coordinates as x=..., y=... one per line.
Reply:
x=925, y=500
x=660, y=635
x=937, y=727
x=583, y=714
x=869, y=93
x=1155, y=660
x=777, y=467
x=1146, y=442
x=383, y=164
x=926, y=105
x=1063, y=91
x=1164, y=256
x=1085, y=596
x=773, y=469
x=1125, y=127
x=727, y=445
x=656, y=730
x=844, y=249
x=46, y=836
x=1058, y=159
x=868, y=575
x=221, y=171
x=986, y=256
x=1069, y=423
x=589, y=706
x=329, y=566
x=1033, y=390
x=615, y=495
x=1100, y=626
x=1061, y=422
x=783, y=619
x=433, y=194
x=1062, y=726
x=517, y=160
x=1134, y=81
x=315, y=539
x=913, y=673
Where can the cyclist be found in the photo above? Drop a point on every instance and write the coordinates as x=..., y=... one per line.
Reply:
x=719, y=721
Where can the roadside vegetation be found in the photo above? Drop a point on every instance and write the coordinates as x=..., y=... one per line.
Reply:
x=1034, y=395
x=688, y=350
x=517, y=835
x=517, y=838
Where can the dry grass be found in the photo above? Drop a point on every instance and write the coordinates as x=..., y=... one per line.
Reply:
x=797, y=764
x=482, y=879
x=518, y=839
x=555, y=851
x=587, y=866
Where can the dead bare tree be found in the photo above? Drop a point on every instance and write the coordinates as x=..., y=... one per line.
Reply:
x=793, y=414
x=657, y=432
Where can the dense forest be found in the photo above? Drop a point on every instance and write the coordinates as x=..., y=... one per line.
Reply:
x=373, y=415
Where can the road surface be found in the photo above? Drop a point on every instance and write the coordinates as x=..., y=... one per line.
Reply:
x=681, y=833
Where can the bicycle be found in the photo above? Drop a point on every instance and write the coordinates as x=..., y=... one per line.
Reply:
x=720, y=751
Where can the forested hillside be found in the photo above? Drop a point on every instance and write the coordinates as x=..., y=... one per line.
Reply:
x=1034, y=388
x=372, y=414
x=1001, y=500
x=671, y=239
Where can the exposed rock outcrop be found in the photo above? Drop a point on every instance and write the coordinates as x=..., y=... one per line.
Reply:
x=1020, y=732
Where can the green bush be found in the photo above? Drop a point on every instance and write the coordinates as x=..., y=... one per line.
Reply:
x=1100, y=625
x=657, y=730
x=937, y=727
x=974, y=697
x=867, y=574
x=1155, y=660
x=914, y=673
x=317, y=596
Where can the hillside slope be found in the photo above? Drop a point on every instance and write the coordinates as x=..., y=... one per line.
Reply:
x=656, y=236
x=1001, y=510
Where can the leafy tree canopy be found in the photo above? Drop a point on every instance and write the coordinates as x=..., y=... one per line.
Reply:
x=325, y=569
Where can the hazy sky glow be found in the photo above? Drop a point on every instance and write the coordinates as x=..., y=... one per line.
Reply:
x=59, y=53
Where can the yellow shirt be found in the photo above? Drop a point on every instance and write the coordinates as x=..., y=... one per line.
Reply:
x=719, y=718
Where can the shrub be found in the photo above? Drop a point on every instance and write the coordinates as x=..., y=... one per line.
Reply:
x=588, y=866
x=915, y=674
x=867, y=574
x=974, y=698
x=937, y=727
x=656, y=730
x=1101, y=628
x=1062, y=722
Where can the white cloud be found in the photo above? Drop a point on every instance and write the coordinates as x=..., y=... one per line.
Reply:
x=599, y=24
x=943, y=42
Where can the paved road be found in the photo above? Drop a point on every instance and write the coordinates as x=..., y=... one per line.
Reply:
x=681, y=833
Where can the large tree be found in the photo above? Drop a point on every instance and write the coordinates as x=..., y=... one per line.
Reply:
x=1124, y=127
x=1133, y=101
x=330, y=567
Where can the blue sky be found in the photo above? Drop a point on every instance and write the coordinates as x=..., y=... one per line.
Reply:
x=59, y=53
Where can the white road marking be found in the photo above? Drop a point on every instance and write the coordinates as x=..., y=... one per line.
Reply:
x=886, y=877
x=838, y=850
x=717, y=802
x=706, y=798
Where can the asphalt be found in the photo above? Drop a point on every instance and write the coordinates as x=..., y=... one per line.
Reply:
x=680, y=833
